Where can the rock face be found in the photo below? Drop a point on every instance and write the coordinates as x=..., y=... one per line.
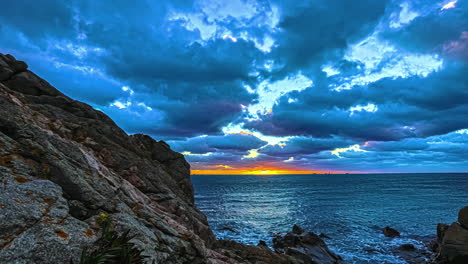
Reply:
x=453, y=241
x=305, y=246
x=62, y=163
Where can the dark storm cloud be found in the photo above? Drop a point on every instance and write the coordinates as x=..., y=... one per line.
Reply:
x=179, y=69
x=313, y=31
x=433, y=29
x=202, y=145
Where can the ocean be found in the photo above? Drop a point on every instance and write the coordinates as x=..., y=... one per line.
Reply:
x=350, y=208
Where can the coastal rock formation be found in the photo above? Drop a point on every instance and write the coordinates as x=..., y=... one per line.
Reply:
x=63, y=163
x=453, y=241
x=305, y=246
x=390, y=232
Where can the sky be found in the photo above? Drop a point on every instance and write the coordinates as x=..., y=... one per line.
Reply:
x=265, y=86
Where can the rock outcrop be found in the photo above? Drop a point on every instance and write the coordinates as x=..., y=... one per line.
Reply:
x=453, y=241
x=305, y=246
x=63, y=163
x=390, y=232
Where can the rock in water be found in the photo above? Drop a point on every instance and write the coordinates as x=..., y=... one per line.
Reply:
x=463, y=217
x=305, y=246
x=453, y=242
x=63, y=163
x=390, y=232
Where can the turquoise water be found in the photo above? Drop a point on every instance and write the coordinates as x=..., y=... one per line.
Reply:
x=350, y=208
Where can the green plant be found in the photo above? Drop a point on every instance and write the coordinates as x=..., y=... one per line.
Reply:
x=111, y=248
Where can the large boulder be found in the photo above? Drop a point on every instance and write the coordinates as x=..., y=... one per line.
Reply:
x=305, y=246
x=452, y=241
x=454, y=246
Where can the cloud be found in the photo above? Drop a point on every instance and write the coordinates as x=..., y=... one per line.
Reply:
x=333, y=85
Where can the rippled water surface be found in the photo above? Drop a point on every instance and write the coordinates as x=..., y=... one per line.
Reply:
x=348, y=208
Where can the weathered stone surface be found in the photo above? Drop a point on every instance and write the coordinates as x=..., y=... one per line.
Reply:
x=80, y=162
x=305, y=246
x=36, y=226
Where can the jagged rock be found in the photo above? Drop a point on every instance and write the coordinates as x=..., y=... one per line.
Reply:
x=463, y=217
x=297, y=230
x=305, y=246
x=454, y=246
x=390, y=232
x=411, y=254
x=86, y=164
x=441, y=229
x=240, y=253
x=452, y=242
x=262, y=243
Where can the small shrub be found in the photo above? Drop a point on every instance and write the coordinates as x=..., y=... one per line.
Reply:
x=111, y=248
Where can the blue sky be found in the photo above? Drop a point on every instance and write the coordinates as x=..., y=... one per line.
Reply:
x=323, y=85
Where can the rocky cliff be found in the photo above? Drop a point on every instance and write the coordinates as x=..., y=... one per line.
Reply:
x=63, y=163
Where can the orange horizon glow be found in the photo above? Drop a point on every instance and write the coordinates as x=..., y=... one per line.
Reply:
x=259, y=171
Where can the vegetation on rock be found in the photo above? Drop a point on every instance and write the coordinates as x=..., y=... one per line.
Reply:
x=111, y=247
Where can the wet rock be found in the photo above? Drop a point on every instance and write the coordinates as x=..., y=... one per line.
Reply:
x=407, y=247
x=452, y=242
x=305, y=246
x=454, y=246
x=323, y=235
x=262, y=243
x=230, y=229
x=234, y=252
x=297, y=230
x=441, y=229
x=463, y=217
x=390, y=232
x=411, y=254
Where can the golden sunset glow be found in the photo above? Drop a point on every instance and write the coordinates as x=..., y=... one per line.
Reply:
x=253, y=153
x=449, y=5
x=223, y=166
x=257, y=170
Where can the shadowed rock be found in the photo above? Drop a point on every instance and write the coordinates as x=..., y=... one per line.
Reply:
x=463, y=217
x=390, y=232
x=306, y=246
x=453, y=241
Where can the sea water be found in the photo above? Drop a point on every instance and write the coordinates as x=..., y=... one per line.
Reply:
x=351, y=209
